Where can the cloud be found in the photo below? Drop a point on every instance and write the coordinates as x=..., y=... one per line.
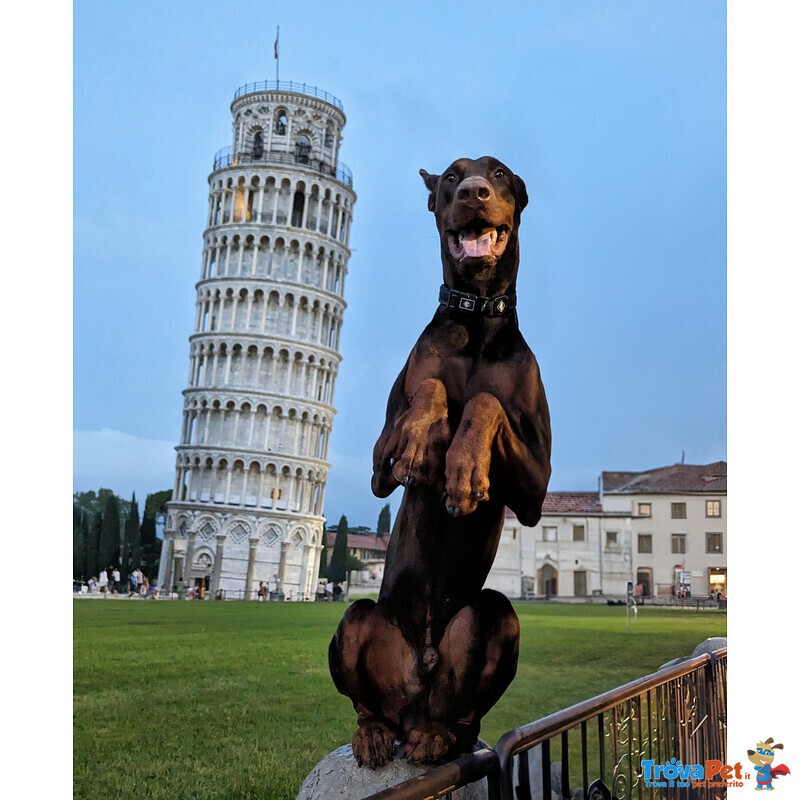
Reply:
x=121, y=462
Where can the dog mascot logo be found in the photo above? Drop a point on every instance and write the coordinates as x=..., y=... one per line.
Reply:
x=762, y=757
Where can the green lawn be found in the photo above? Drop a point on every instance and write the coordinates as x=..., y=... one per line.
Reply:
x=192, y=700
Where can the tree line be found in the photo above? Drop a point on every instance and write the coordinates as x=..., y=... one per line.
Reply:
x=108, y=531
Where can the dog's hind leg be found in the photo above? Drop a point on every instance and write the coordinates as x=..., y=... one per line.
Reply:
x=373, y=665
x=477, y=661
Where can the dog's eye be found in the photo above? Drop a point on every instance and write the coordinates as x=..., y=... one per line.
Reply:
x=450, y=178
x=499, y=173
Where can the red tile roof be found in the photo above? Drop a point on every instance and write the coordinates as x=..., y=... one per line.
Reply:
x=678, y=478
x=359, y=541
x=569, y=503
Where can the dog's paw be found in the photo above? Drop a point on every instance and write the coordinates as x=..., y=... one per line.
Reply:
x=421, y=454
x=383, y=483
x=466, y=484
x=428, y=743
x=373, y=744
x=462, y=494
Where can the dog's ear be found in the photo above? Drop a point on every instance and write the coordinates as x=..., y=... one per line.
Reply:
x=521, y=192
x=432, y=182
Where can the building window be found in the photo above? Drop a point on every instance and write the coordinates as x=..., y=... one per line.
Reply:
x=578, y=533
x=302, y=149
x=280, y=123
x=611, y=538
x=549, y=534
x=713, y=508
x=645, y=542
x=678, y=542
x=645, y=510
x=258, y=144
x=713, y=543
x=679, y=511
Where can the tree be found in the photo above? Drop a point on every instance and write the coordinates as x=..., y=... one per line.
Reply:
x=352, y=564
x=337, y=570
x=93, y=563
x=108, y=550
x=154, y=505
x=88, y=546
x=132, y=543
x=384, y=521
x=95, y=502
x=78, y=544
x=323, y=561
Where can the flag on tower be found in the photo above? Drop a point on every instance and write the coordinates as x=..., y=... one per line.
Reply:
x=277, y=36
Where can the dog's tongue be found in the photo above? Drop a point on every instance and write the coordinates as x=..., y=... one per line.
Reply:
x=477, y=246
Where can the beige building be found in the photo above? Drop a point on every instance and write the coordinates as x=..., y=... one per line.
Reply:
x=678, y=524
x=663, y=530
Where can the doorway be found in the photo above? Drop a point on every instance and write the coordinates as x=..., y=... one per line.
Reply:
x=548, y=580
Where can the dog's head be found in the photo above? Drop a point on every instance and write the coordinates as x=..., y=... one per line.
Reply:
x=477, y=205
x=764, y=753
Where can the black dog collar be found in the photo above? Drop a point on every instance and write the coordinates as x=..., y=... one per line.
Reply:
x=472, y=303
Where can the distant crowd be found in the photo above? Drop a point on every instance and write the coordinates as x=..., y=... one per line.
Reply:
x=110, y=582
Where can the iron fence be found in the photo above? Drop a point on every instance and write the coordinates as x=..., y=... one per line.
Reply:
x=605, y=748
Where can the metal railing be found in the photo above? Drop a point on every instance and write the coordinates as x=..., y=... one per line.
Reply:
x=227, y=158
x=288, y=86
x=602, y=748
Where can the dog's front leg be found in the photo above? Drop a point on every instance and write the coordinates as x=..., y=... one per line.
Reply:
x=423, y=435
x=470, y=454
x=484, y=429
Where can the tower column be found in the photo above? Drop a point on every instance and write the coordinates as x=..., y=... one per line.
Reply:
x=191, y=537
x=218, y=556
x=251, y=567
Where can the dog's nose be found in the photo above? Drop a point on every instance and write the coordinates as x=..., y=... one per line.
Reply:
x=474, y=189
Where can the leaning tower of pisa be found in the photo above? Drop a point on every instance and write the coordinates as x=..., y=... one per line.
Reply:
x=251, y=464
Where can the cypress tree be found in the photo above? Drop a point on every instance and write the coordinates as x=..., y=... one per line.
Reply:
x=93, y=550
x=78, y=544
x=338, y=565
x=108, y=551
x=384, y=521
x=131, y=543
x=154, y=504
x=87, y=545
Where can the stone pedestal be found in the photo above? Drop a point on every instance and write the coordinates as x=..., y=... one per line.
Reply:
x=338, y=777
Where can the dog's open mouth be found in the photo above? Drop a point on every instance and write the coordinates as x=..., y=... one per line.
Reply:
x=478, y=241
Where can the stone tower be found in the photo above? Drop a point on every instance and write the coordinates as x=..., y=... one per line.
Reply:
x=251, y=464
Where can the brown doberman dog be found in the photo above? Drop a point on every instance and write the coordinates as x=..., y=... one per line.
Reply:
x=467, y=433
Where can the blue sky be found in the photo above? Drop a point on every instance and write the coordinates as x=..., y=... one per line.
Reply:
x=614, y=113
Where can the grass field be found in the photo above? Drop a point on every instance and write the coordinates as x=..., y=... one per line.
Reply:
x=233, y=700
